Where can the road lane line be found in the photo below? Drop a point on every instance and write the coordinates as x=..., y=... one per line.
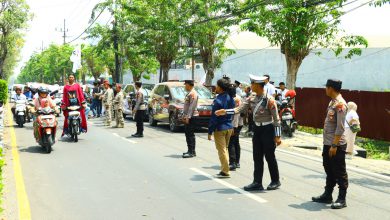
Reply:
x=235, y=188
x=349, y=167
x=125, y=139
x=23, y=203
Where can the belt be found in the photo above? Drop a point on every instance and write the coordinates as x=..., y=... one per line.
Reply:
x=259, y=124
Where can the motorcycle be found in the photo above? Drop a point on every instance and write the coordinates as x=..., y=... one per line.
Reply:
x=20, y=112
x=30, y=108
x=74, y=122
x=287, y=116
x=47, y=128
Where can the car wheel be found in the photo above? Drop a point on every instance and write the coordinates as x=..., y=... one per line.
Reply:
x=172, y=123
x=152, y=122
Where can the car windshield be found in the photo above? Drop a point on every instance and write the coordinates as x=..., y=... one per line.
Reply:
x=179, y=92
x=145, y=92
x=148, y=86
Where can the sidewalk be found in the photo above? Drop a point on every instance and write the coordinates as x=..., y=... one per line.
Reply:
x=311, y=145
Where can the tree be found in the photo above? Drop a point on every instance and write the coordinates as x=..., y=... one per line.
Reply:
x=160, y=22
x=14, y=15
x=47, y=66
x=299, y=26
x=95, y=65
x=210, y=35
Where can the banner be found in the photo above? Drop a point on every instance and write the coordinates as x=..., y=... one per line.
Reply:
x=76, y=58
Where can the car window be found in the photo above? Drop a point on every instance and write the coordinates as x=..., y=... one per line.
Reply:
x=166, y=91
x=160, y=90
x=179, y=92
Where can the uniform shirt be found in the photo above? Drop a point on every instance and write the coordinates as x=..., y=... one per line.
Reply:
x=237, y=119
x=351, y=115
x=334, y=121
x=118, y=100
x=221, y=123
x=238, y=91
x=108, y=96
x=264, y=110
x=190, y=104
x=269, y=89
x=139, y=100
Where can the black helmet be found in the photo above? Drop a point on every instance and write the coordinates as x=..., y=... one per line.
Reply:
x=43, y=90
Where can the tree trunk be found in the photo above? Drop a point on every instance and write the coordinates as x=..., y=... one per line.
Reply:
x=165, y=68
x=136, y=77
x=209, y=77
x=293, y=65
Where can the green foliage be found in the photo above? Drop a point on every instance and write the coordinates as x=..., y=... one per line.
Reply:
x=375, y=149
x=93, y=61
x=48, y=66
x=2, y=163
x=3, y=90
x=299, y=26
x=310, y=130
x=14, y=15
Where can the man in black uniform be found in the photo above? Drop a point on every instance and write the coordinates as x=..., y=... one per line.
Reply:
x=333, y=154
x=139, y=109
x=190, y=106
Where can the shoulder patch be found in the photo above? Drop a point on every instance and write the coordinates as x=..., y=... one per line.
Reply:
x=341, y=107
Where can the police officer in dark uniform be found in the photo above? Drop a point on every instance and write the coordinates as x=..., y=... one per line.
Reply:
x=267, y=133
x=190, y=106
x=139, y=109
x=335, y=144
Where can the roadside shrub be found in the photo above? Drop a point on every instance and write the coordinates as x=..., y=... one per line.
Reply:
x=3, y=91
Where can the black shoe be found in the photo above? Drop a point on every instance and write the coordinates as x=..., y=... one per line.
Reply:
x=222, y=175
x=194, y=153
x=188, y=152
x=238, y=166
x=232, y=167
x=326, y=197
x=188, y=155
x=137, y=135
x=339, y=204
x=254, y=187
x=274, y=185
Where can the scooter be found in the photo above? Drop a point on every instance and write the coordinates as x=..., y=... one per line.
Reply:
x=287, y=115
x=30, y=110
x=47, y=128
x=20, y=112
x=74, y=122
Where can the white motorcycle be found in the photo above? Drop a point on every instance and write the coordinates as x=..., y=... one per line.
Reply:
x=20, y=112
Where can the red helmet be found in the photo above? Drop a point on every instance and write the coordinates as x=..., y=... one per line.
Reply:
x=291, y=94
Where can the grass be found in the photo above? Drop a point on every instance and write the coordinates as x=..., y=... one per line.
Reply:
x=375, y=149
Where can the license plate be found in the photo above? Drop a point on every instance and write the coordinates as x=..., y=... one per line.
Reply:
x=204, y=113
x=287, y=117
x=20, y=113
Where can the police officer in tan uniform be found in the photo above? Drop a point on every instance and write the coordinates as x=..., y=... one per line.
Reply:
x=118, y=107
x=108, y=97
x=190, y=110
x=139, y=109
x=267, y=132
x=333, y=154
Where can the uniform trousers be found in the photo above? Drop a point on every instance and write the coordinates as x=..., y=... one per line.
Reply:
x=234, y=146
x=139, y=118
x=107, y=113
x=335, y=168
x=189, y=130
x=120, y=121
x=264, y=145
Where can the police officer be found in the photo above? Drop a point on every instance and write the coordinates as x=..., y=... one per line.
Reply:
x=190, y=105
x=335, y=144
x=266, y=130
x=108, y=97
x=139, y=109
x=118, y=106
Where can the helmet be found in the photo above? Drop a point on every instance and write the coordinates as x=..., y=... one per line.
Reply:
x=43, y=90
x=291, y=94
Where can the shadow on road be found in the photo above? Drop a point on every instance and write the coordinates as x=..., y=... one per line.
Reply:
x=212, y=168
x=220, y=191
x=310, y=206
x=33, y=149
x=199, y=178
x=175, y=156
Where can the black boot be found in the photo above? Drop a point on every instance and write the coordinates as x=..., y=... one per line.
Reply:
x=340, y=202
x=254, y=187
x=232, y=167
x=326, y=197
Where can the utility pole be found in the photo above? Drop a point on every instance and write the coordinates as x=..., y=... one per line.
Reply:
x=116, y=45
x=64, y=30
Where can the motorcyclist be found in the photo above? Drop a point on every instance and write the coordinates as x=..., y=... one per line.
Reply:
x=28, y=93
x=43, y=101
x=18, y=97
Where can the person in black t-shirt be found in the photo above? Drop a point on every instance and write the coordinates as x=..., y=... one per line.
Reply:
x=96, y=101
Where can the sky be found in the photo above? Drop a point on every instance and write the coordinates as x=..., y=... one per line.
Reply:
x=49, y=15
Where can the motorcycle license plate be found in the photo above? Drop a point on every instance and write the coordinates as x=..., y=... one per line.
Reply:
x=288, y=122
x=287, y=117
x=20, y=113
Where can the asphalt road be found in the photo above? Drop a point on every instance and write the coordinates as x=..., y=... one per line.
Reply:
x=109, y=175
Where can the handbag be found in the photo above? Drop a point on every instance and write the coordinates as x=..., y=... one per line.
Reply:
x=355, y=128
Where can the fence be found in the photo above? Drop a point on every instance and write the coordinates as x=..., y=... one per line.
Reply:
x=311, y=104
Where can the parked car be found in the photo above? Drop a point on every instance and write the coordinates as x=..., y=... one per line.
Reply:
x=166, y=104
x=129, y=101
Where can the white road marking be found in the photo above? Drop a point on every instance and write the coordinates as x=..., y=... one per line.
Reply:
x=125, y=139
x=355, y=169
x=235, y=188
